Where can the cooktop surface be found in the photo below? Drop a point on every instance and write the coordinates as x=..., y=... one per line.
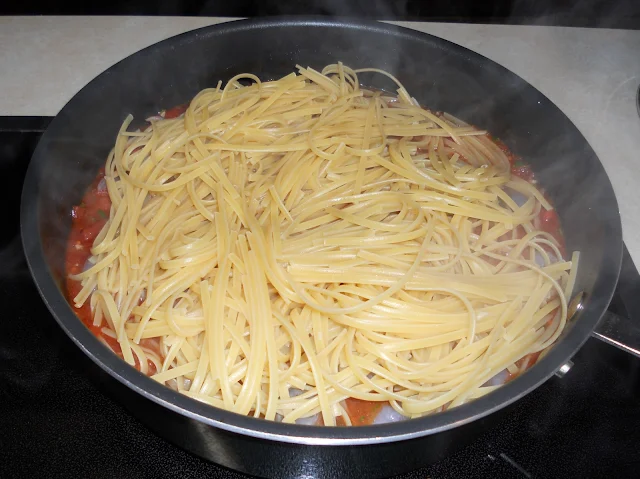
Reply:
x=56, y=420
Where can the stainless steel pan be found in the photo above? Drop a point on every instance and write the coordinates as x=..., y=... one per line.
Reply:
x=442, y=76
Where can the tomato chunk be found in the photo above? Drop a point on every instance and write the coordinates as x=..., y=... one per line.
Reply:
x=176, y=111
x=549, y=221
x=524, y=172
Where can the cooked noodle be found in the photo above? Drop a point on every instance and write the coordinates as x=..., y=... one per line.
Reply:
x=294, y=243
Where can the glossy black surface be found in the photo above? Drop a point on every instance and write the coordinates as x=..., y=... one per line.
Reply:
x=56, y=417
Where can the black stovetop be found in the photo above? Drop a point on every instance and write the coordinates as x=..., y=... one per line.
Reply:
x=56, y=421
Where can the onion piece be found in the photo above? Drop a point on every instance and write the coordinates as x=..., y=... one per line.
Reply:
x=387, y=414
x=499, y=379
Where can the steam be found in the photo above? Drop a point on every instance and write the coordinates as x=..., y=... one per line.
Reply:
x=583, y=13
x=378, y=9
x=374, y=9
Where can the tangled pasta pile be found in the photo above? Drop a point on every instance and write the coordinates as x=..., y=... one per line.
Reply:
x=286, y=245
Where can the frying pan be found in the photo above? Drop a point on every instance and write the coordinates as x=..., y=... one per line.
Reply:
x=442, y=76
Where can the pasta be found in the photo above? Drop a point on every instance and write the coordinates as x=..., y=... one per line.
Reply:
x=285, y=246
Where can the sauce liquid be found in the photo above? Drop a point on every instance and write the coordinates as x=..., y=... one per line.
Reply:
x=88, y=218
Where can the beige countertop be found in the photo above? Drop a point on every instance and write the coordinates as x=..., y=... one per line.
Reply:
x=591, y=74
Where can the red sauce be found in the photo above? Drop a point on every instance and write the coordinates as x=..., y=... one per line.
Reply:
x=523, y=172
x=523, y=364
x=548, y=220
x=176, y=111
x=89, y=217
x=360, y=412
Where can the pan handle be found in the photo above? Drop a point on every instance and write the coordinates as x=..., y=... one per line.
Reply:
x=618, y=331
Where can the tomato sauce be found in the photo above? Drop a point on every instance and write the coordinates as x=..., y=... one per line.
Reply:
x=361, y=413
x=176, y=111
x=90, y=216
x=547, y=220
x=87, y=220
